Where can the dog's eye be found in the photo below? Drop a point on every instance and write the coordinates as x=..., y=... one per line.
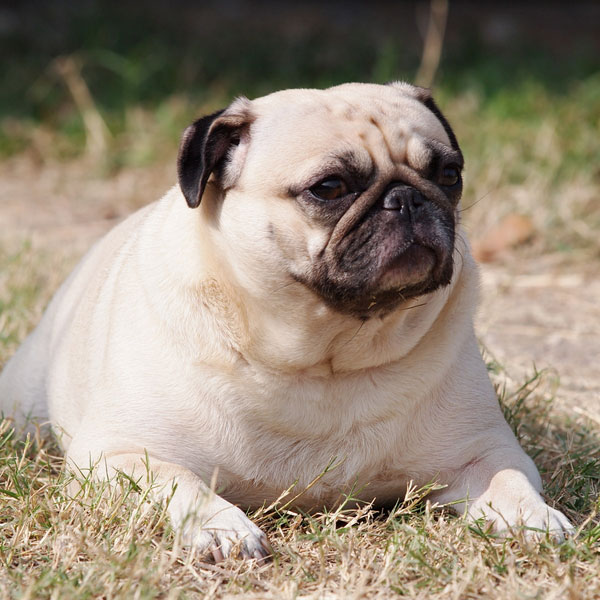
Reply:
x=329, y=189
x=450, y=176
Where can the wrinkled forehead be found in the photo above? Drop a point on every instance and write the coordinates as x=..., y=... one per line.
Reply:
x=383, y=122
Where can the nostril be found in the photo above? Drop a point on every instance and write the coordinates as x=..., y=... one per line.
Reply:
x=393, y=202
x=416, y=199
x=398, y=197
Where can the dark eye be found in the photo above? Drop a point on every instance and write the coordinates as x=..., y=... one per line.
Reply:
x=329, y=189
x=450, y=176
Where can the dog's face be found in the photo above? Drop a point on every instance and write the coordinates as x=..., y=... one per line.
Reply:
x=351, y=191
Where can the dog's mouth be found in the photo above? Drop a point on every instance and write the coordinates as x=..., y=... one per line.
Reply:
x=411, y=267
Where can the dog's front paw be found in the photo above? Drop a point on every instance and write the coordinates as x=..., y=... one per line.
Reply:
x=223, y=530
x=530, y=514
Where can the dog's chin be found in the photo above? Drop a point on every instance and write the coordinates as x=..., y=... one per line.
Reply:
x=413, y=268
x=415, y=272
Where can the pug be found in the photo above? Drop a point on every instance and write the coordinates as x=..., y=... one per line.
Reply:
x=299, y=310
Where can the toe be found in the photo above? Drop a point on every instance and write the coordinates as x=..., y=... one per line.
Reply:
x=217, y=554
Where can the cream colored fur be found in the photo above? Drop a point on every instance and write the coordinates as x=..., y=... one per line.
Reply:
x=180, y=335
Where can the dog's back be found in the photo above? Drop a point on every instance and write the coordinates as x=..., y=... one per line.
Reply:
x=24, y=379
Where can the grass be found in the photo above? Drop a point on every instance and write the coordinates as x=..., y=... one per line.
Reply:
x=28, y=278
x=117, y=543
x=529, y=151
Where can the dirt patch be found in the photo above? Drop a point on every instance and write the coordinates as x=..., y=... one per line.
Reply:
x=542, y=310
x=546, y=313
x=65, y=207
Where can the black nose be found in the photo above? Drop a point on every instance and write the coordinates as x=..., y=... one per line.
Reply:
x=403, y=198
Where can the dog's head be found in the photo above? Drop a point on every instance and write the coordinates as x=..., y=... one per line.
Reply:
x=351, y=191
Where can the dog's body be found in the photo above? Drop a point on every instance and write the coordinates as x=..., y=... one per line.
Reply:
x=277, y=327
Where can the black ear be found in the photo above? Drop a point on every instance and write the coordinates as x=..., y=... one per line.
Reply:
x=204, y=145
x=196, y=159
x=433, y=107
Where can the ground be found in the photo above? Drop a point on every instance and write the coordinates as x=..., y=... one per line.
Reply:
x=546, y=312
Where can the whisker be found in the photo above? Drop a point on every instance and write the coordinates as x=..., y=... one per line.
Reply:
x=283, y=287
x=356, y=333
x=414, y=306
x=462, y=210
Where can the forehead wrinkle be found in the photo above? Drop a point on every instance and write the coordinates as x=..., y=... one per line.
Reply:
x=394, y=117
x=395, y=149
